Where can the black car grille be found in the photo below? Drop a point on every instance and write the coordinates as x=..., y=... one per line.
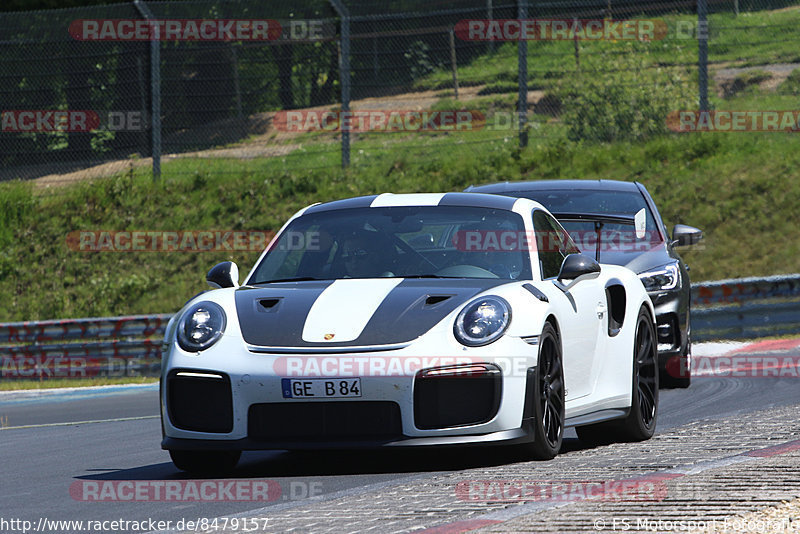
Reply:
x=200, y=403
x=325, y=421
x=458, y=400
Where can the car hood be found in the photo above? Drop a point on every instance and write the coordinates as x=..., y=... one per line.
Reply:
x=636, y=260
x=349, y=312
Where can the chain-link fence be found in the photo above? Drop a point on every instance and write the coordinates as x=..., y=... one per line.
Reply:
x=95, y=91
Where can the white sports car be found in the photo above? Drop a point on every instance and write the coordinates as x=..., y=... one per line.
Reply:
x=410, y=320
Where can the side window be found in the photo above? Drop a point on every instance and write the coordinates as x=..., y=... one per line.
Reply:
x=569, y=245
x=549, y=244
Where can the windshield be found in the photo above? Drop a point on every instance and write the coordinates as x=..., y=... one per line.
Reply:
x=615, y=237
x=417, y=241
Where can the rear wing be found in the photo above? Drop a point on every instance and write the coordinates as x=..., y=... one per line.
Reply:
x=599, y=220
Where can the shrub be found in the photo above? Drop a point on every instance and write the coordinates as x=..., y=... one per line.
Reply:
x=621, y=95
x=420, y=62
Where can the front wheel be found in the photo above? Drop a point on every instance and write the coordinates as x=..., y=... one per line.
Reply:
x=548, y=398
x=640, y=424
x=205, y=462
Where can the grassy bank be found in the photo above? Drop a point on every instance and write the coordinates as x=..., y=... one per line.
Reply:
x=754, y=38
x=741, y=189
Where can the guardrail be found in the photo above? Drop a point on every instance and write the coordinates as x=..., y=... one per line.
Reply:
x=131, y=346
x=79, y=348
x=746, y=308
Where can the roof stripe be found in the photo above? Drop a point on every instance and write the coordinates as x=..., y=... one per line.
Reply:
x=347, y=203
x=478, y=200
x=410, y=199
x=388, y=200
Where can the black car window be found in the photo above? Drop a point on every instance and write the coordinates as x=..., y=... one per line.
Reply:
x=552, y=243
x=400, y=241
x=614, y=236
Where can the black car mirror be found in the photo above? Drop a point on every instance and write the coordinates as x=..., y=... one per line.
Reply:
x=421, y=241
x=683, y=235
x=577, y=267
x=225, y=274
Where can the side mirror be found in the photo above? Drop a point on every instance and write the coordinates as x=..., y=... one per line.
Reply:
x=683, y=235
x=225, y=274
x=575, y=268
x=422, y=241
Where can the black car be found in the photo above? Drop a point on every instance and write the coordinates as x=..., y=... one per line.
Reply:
x=618, y=222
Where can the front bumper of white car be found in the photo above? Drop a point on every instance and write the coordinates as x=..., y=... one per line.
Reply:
x=213, y=401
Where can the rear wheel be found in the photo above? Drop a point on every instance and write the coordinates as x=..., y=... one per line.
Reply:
x=548, y=398
x=205, y=462
x=640, y=424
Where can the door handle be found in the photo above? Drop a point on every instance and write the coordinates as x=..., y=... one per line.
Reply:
x=601, y=310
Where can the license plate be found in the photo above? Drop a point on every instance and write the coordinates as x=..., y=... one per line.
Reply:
x=324, y=388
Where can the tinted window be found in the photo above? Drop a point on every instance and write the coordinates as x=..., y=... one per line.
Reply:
x=552, y=243
x=614, y=236
x=447, y=241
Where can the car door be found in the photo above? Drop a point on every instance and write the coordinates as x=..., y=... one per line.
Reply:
x=584, y=303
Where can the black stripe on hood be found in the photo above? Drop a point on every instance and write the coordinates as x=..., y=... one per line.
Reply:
x=408, y=311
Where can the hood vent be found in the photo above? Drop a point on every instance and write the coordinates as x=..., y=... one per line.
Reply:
x=268, y=304
x=433, y=300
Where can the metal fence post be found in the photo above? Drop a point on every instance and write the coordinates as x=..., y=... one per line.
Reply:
x=702, y=53
x=490, y=16
x=522, y=71
x=155, y=88
x=344, y=75
x=453, y=62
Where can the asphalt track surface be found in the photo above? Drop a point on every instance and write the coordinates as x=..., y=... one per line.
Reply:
x=51, y=442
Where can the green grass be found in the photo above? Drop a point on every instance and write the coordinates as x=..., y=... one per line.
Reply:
x=751, y=39
x=53, y=383
x=739, y=188
x=791, y=86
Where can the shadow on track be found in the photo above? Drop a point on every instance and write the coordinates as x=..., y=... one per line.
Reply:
x=258, y=464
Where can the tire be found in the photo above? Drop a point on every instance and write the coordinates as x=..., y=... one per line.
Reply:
x=678, y=370
x=640, y=424
x=205, y=462
x=548, y=398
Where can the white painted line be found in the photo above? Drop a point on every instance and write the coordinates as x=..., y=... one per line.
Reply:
x=118, y=419
x=36, y=393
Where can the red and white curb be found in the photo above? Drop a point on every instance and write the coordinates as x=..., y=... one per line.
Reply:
x=772, y=358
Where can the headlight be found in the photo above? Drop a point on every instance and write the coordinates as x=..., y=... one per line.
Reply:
x=665, y=277
x=201, y=326
x=482, y=321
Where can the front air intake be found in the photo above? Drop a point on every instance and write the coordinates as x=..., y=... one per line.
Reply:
x=200, y=401
x=454, y=396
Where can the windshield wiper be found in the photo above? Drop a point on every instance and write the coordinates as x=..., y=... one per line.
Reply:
x=425, y=276
x=296, y=279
